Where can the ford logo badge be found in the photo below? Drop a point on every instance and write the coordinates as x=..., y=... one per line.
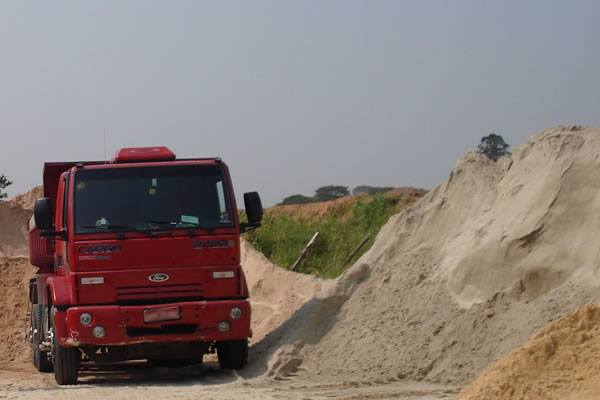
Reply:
x=160, y=277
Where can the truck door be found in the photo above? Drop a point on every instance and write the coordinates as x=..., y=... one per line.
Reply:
x=61, y=259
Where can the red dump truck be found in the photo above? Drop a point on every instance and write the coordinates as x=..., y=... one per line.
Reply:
x=139, y=258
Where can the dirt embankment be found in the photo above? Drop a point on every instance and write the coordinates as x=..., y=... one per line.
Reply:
x=404, y=197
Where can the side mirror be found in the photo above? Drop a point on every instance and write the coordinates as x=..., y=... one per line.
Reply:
x=42, y=213
x=254, y=211
x=254, y=208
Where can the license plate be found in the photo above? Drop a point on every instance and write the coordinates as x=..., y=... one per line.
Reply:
x=161, y=314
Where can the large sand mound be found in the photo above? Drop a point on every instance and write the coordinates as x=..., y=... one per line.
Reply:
x=467, y=274
x=559, y=363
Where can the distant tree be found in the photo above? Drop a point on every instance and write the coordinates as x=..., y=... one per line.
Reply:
x=331, y=192
x=371, y=190
x=4, y=182
x=296, y=199
x=493, y=146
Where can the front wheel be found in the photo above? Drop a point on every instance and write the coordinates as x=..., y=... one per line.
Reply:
x=66, y=363
x=233, y=354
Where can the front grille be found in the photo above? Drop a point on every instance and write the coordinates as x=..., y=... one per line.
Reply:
x=159, y=292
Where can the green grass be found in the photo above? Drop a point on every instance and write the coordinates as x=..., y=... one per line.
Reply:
x=281, y=238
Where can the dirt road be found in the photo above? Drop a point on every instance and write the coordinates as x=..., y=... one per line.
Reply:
x=139, y=381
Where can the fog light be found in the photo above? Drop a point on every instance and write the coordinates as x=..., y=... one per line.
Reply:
x=99, y=332
x=223, y=274
x=224, y=326
x=93, y=280
x=85, y=319
x=235, y=313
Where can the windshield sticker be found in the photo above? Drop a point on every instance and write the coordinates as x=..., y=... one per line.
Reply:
x=189, y=219
x=81, y=185
x=225, y=219
x=102, y=223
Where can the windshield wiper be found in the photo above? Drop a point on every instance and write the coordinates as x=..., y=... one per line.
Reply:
x=117, y=228
x=182, y=225
x=107, y=227
x=152, y=221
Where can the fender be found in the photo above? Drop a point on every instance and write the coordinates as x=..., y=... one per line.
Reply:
x=59, y=290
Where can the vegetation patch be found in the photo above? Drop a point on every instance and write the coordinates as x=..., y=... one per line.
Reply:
x=285, y=232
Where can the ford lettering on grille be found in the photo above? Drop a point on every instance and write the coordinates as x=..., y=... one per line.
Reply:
x=159, y=277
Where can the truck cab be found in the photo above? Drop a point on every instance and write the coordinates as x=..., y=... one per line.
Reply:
x=139, y=258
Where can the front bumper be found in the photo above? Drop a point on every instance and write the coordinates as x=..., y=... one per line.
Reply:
x=124, y=325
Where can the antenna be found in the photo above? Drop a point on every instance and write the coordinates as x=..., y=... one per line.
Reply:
x=104, y=145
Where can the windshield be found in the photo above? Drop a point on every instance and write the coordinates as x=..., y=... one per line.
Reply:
x=146, y=198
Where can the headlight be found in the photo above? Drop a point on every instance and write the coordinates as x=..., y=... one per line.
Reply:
x=235, y=313
x=85, y=319
x=99, y=332
x=224, y=326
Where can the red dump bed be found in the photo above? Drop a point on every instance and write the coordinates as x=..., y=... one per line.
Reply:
x=41, y=250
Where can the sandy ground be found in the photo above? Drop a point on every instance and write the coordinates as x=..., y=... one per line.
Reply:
x=206, y=381
x=494, y=270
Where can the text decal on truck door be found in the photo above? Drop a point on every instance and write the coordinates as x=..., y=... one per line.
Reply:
x=109, y=248
x=212, y=244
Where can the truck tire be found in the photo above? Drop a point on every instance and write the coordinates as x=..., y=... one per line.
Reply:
x=233, y=354
x=66, y=363
x=41, y=359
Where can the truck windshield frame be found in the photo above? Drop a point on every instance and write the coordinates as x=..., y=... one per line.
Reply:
x=147, y=198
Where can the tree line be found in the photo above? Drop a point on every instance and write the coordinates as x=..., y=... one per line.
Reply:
x=493, y=146
x=333, y=192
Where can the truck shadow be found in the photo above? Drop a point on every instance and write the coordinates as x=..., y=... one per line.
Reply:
x=142, y=373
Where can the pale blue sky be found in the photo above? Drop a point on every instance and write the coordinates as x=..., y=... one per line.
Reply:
x=293, y=95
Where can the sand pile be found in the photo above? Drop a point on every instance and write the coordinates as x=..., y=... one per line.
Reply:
x=27, y=200
x=15, y=271
x=275, y=293
x=14, y=284
x=560, y=362
x=13, y=230
x=454, y=283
